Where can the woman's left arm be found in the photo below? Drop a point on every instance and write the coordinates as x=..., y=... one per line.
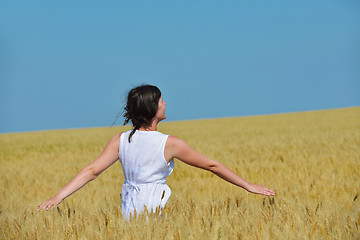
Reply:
x=179, y=149
x=108, y=156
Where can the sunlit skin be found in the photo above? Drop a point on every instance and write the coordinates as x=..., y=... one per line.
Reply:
x=174, y=148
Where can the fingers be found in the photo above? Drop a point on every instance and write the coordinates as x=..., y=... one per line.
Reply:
x=262, y=190
x=267, y=192
x=41, y=206
x=46, y=205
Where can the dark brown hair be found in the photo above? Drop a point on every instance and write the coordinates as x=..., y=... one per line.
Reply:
x=141, y=106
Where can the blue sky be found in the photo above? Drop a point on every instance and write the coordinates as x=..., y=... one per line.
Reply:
x=69, y=64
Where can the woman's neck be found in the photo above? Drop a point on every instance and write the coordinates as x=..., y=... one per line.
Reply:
x=152, y=127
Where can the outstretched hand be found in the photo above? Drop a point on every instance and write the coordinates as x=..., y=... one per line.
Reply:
x=259, y=189
x=52, y=202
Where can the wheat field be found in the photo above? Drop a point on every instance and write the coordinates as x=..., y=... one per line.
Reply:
x=311, y=160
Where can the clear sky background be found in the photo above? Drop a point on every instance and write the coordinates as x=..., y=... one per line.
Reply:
x=69, y=64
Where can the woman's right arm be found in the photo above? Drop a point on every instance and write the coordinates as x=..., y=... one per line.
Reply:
x=108, y=156
x=177, y=148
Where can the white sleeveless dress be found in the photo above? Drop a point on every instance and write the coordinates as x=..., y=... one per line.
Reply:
x=145, y=170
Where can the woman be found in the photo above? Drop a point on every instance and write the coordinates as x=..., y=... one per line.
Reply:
x=147, y=157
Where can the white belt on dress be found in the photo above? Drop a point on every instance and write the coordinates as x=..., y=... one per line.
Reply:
x=127, y=182
x=132, y=187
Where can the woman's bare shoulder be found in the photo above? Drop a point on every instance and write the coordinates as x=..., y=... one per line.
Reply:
x=116, y=136
x=115, y=140
x=172, y=140
x=175, y=145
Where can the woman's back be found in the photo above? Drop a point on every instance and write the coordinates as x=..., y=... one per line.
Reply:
x=145, y=170
x=143, y=158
